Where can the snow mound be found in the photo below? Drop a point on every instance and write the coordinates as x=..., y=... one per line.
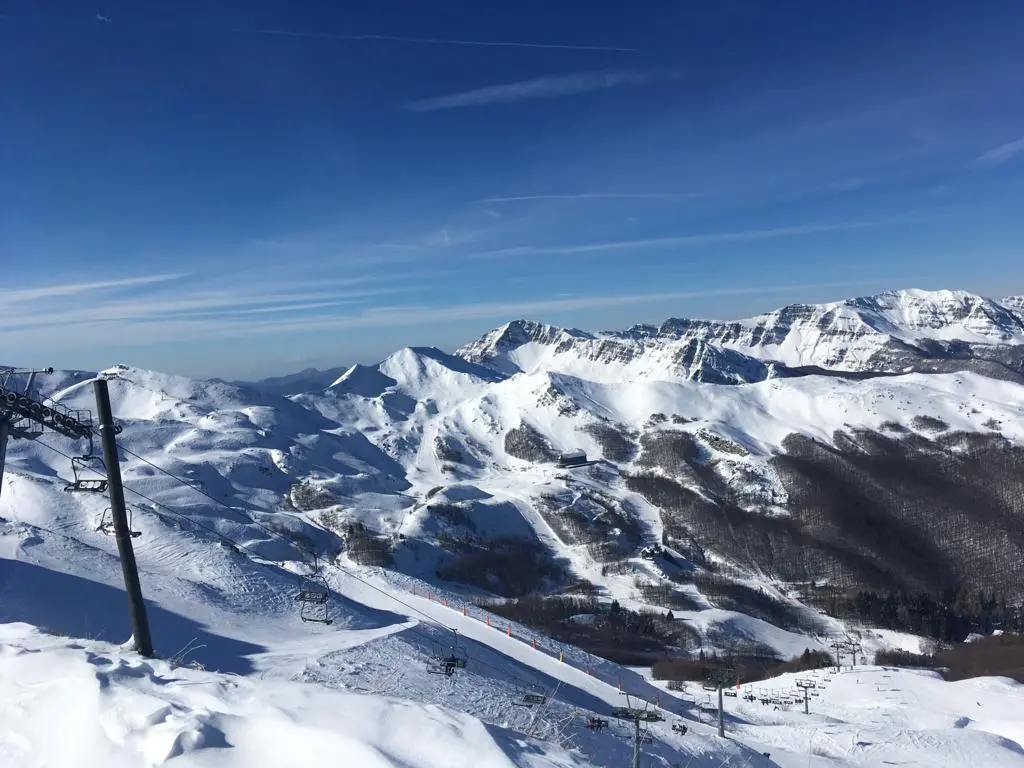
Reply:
x=113, y=708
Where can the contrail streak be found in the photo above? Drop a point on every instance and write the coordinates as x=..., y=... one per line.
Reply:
x=432, y=41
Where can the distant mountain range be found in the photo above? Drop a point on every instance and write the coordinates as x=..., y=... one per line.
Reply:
x=307, y=380
x=892, y=332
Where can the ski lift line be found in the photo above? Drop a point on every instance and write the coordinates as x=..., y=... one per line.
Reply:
x=169, y=511
x=227, y=539
x=544, y=650
x=211, y=497
x=271, y=532
x=256, y=558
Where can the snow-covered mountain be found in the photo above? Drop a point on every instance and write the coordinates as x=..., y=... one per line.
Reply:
x=891, y=332
x=1015, y=304
x=735, y=469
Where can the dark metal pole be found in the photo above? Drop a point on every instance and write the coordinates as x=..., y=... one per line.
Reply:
x=636, y=745
x=721, y=713
x=137, y=608
x=807, y=710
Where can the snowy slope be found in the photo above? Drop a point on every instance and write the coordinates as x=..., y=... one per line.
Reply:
x=234, y=612
x=883, y=716
x=109, y=707
x=239, y=617
x=455, y=451
x=441, y=457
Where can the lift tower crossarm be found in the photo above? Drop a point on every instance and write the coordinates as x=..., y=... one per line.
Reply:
x=55, y=416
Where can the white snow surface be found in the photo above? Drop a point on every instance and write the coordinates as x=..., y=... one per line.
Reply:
x=872, y=716
x=85, y=703
x=384, y=443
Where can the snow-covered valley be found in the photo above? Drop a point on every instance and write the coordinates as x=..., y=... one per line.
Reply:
x=428, y=482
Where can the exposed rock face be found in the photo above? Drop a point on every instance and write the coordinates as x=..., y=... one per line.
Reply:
x=892, y=332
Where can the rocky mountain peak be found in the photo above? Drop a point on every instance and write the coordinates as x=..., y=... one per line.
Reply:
x=889, y=332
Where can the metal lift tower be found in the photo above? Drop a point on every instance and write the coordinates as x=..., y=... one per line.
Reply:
x=24, y=417
x=637, y=715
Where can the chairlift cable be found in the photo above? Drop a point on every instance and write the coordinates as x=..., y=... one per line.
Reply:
x=256, y=558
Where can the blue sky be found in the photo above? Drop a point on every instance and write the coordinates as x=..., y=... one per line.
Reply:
x=247, y=187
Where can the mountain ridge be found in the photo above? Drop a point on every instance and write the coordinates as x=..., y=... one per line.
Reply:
x=890, y=332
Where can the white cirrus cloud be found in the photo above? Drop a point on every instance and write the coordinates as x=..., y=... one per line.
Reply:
x=680, y=241
x=547, y=87
x=1002, y=153
x=432, y=40
x=593, y=196
x=74, y=289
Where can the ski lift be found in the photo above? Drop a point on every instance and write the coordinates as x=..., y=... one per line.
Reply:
x=679, y=728
x=596, y=723
x=530, y=698
x=447, y=661
x=709, y=687
x=730, y=693
x=79, y=464
x=107, y=523
x=313, y=594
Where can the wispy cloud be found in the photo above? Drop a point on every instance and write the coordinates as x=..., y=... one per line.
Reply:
x=849, y=185
x=594, y=196
x=71, y=289
x=393, y=316
x=82, y=310
x=689, y=240
x=209, y=304
x=274, y=244
x=433, y=40
x=1002, y=153
x=548, y=87
x=442, y=237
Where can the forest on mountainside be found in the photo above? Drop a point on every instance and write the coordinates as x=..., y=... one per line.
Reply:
x=874, y=511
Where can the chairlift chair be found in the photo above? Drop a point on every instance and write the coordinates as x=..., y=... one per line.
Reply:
x=528, y=697
x=596, y=723
x=679, y=728
x=730, y=693
x=79, y=464
x=107, y=523
x=313, y=595
x=446, y=661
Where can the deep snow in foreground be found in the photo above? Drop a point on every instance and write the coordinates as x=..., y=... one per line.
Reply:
x=80, y=703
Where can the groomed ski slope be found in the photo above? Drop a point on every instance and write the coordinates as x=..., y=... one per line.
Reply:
x=237, y=619
x=872, y=716
x=298, y=683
